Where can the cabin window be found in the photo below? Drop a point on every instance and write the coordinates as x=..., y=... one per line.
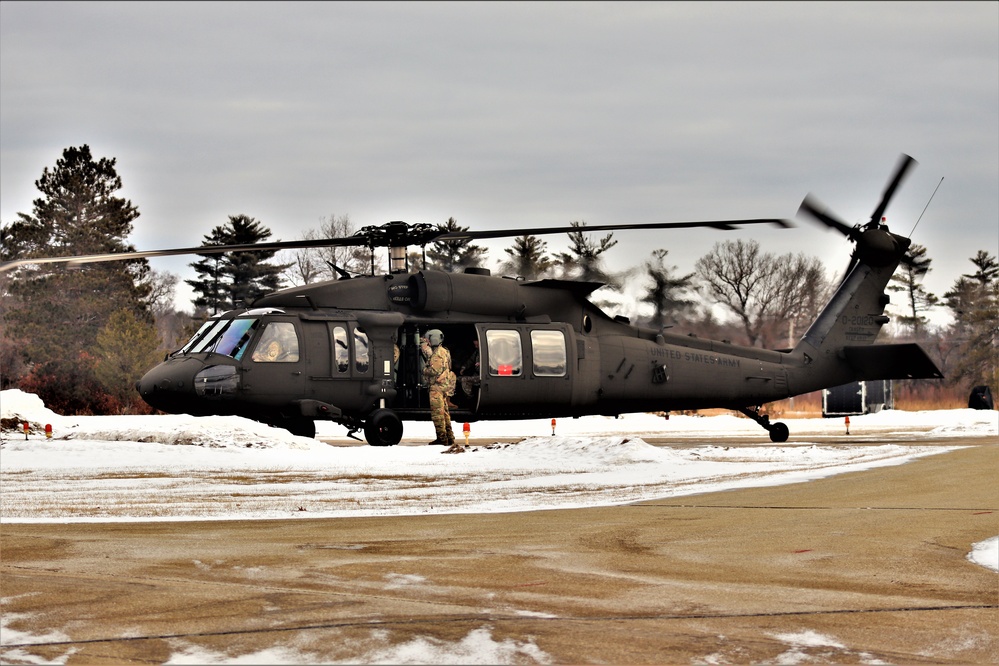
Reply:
x=341, y=351
x=548, y=349
x=361, y=356
x=506, y=358
x=278, y=344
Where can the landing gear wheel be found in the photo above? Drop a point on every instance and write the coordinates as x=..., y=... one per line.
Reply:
x=383, y=428
x=778, y=433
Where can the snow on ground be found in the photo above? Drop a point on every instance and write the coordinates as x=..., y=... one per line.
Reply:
x=178, y=467
x=986, y=553
x=139, y=468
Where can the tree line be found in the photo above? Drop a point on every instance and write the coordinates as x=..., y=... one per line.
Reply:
x=80, y=337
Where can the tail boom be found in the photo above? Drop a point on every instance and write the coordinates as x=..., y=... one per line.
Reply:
x=839, y=348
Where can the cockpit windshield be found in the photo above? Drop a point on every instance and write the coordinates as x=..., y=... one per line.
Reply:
x=233, y=340
x=197, y=337
x=228, y=337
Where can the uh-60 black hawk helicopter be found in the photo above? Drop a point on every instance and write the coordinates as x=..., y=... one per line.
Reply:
x=347, y=350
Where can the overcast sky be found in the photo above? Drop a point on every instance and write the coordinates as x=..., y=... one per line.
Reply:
x=517, y=115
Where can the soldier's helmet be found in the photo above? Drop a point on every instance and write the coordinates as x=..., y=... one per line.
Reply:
x=435, y=337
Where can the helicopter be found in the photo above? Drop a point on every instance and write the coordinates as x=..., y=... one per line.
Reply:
x=347, y=350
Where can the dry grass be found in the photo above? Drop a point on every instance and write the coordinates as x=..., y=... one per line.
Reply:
x=908, y=396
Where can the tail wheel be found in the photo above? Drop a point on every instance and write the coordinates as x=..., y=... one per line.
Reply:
x=383, y=428
x=778, y=433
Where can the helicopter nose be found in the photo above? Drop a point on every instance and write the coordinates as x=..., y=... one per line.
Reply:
x=169, y=387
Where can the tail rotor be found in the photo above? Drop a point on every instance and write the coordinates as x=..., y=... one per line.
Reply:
x=874, y=244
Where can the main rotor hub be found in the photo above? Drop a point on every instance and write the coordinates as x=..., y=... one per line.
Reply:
x=397, y=234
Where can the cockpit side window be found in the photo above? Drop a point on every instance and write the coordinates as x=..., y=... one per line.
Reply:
x=278, y=344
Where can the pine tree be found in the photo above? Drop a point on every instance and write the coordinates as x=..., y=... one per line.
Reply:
x=238, y=278
x=583, y=261
x=212, y=282
x=974, y=302
x=908, y=280
x=666, y=293
x=54, y=313
x=125, y=349
x=528, y=258
x=988, y=268
x=454, y=255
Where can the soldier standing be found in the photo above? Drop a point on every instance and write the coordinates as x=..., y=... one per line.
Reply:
x=441, y=380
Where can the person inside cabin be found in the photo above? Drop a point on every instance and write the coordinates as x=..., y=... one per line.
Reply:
x=468, y=374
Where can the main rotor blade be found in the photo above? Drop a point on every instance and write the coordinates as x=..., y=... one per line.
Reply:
x=393, y=233
x=204, y=249
x=725, y=225
x=905, y=163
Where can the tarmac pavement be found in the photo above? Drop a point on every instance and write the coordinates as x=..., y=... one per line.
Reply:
x=867, y=567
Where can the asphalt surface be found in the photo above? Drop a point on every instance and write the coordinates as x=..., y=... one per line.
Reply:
x=868, y=567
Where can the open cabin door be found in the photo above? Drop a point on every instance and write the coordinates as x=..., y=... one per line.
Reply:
x=525, y=368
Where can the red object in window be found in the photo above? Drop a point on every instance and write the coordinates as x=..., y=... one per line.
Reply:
x=505, y=370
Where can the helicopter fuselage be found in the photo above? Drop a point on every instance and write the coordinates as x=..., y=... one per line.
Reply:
x=342, y=350
x=349, y=351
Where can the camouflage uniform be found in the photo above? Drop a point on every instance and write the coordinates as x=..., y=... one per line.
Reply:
x=470, y=372
x=440, y=379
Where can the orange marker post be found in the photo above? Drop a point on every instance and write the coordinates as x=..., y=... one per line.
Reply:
x=48, y=431
x=847, y=425
x=553, y=427
x=26, y=429
x=467, y=429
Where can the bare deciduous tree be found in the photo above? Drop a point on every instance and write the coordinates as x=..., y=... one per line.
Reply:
x=769, y=294
x=316, y=264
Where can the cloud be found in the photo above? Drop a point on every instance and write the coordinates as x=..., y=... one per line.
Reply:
x=515, y=115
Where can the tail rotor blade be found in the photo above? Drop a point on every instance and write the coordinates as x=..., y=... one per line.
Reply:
x=813, y=207
x=905, y=162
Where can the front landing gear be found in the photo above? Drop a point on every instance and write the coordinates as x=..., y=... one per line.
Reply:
x=778, y=431
x=383, y=428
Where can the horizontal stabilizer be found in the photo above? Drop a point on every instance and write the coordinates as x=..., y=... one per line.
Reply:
x=905, y=361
